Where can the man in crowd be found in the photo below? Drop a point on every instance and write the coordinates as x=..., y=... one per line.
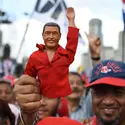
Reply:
x=108, y=93
x=7, y=64
x=6, y=93
x=79, y=103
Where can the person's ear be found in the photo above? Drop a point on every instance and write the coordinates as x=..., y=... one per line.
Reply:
x=60, y=36
x=42, y=34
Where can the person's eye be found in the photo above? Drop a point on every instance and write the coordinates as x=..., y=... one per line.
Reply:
x=79, y=83
x=99, y=93
x=55, y=33
x=119, y=94
x=71, y=83
x=47, y=33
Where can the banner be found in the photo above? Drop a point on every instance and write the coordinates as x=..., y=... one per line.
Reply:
x=52, y=11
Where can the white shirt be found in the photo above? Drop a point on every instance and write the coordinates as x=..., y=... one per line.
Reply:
x=15, y=111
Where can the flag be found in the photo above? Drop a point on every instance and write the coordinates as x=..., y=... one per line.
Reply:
x=123, y=12
x=54, y=10
x=81, y=71
x=43, y=7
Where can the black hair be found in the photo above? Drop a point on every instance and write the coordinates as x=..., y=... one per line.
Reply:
x=6, y=113
x=7, y=82
x=76, y=74
x=51, y=24
x=6, y=51
x=83, y=81
x=19, y=69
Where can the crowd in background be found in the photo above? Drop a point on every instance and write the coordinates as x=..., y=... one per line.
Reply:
x=8, y=65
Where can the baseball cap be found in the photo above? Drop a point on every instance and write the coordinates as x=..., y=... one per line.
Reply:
x=109, y=72
x=58, y=121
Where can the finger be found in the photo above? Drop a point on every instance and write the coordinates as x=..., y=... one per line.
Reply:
x=84, y=121
x=92, y=34
x=90, y=121
x=25, y=79
x=98, y=41
x=70, y=10
x=30, y=107
x=26, y=89
x=86, y=35
x=87, y=121
x=27, y=98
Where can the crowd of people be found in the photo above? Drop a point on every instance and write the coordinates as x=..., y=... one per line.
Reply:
x=45, y=92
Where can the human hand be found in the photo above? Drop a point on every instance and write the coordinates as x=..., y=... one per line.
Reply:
x=94, y=45
x=70, y=13
x=87, y=121
x=27, y=93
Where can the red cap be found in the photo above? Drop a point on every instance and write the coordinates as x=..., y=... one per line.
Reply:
x=58, y=121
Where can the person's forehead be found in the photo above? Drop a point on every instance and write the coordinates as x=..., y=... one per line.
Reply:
x=107, y=87
x=4, y=84
x=74, y=77
x=51, y=28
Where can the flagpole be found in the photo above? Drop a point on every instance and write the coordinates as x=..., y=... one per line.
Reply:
x=25, y=32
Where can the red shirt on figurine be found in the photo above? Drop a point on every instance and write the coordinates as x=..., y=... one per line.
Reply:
x=51, y=62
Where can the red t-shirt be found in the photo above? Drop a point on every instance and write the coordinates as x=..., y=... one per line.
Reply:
x=53, y=75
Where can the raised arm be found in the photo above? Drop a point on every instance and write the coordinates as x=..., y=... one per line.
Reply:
x=72, y=36
x=70, y=13
x=95, y=48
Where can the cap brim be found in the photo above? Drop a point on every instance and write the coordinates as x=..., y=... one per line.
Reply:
x=108, y=80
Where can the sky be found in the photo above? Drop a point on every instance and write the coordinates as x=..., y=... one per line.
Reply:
x=109, y=11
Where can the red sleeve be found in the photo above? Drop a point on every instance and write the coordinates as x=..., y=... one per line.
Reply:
x=72, y=42
x=30, y=68
x=63, y=109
